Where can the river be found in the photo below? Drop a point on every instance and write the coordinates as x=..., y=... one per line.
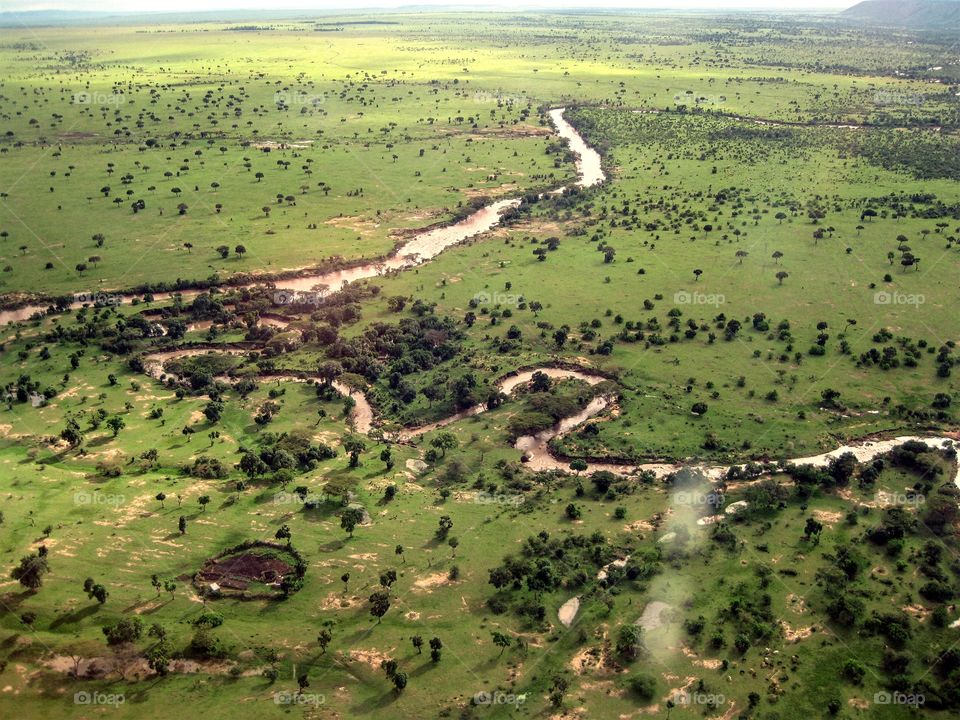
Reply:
x=419, y=249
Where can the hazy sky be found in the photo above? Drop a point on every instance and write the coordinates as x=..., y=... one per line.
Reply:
x=207, y=5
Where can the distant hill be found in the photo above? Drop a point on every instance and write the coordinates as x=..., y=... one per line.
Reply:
x=941, y=14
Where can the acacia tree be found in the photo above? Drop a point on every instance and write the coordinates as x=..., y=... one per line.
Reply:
x=379, y=604
x=501, y=641
x=323, y=639
x=31, y=570
x=349, y=519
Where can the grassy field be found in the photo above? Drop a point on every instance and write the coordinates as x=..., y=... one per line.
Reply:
x=757, y=280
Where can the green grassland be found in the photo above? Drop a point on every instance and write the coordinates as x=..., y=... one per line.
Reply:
x=766, y=615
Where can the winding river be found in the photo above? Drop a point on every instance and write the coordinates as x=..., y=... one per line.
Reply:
x=426, y=246
x=421, y=248
x=536, y=448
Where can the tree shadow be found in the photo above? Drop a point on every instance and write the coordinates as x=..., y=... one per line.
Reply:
x=332, y=545
x=378, y=703
x=75, y=617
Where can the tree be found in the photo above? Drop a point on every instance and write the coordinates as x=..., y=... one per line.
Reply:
x=323, y=639
x=125, y=630
x=699, y=408
x=81, y=268
x=182, y=525
x=399, y=681
x=444, y=441
x=329, y=370
x=379, y=604
x=160, y=498
x=812, y=528
x=116, y=424
x=31, y=570
x=644, y=686
x=204, y=500
x=776, y=256
x=240, y=250
x=223, y=250
x=697, y=273
x=781, y=276
x=417, y=642
x=98, y=591
x=444, y=526
x=386, y=457
x=158, y=655
x=629, y=641
x=436, y=645
x=578, y=465
x=741, y=254
x=283, y=533
x=557, y=690
x=213, y=411
x=501, y=641
x=354, y=445
x=399, y=551
x=350, y=518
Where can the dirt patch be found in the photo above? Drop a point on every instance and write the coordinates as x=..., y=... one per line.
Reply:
x=794, y=635
x=431, y=581
x=587, y=660
x=828, y=517
x=335, y=601
x=708, y=663
x=568, y=611
x=373, y=658
x=797, y=603
x=356, y=224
